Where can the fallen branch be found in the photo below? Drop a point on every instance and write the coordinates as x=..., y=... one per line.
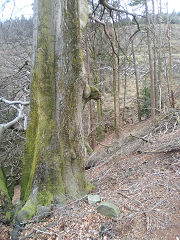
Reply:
x=139, y=138
x=13, y=102
x=161, y=151
x=103, y=145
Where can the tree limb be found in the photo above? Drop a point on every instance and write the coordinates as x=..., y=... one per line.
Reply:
x=105, y=30
x=21, y=115
x=111, y=8
x=13, y=102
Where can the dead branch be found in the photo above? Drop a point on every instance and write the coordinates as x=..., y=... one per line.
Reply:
x=139, y=138
x=20, y=115
x=103, y=145
x=13, y=102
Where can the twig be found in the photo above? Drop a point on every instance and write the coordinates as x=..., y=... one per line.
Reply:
x=148, y=222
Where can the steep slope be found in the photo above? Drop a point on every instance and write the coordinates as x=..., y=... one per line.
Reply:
x=140, y=173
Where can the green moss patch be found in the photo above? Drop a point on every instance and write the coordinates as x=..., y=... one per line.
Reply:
x=28, y=211
x=45, y=198
x=3, y=187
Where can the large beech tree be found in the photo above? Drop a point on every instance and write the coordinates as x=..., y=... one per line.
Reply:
x=53, y=165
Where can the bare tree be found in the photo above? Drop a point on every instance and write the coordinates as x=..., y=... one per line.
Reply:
x=92, y=125
x=151, y=69
x=171, y=77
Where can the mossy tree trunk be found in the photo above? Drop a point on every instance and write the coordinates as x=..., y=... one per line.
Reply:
x=5, y=199
x=54, y=157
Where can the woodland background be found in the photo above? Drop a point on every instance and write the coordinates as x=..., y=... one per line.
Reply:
x=117, y=63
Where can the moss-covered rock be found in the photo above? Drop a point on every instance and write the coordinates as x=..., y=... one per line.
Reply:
x=108, y=209
x=94, y=198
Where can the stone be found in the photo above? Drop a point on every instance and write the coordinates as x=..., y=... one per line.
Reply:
x=94, y=198
x=108, y=209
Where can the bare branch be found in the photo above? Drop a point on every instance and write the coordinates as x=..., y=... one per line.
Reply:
x=5, y=126
x=105, y=30
x=21, y=115
x=13, y=102
x=111, y=8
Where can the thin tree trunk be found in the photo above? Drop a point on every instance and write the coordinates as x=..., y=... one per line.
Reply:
x=153, y=107
x=92, y=125
x=171, y=77
x=155, y=57
x=124, y=98
x=115, y=92
x=116, y=82
x=99, y=108
x=159, y=55
x=155, y=78
x=137, y=82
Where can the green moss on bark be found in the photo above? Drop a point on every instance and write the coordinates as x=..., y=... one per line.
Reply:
x=54, y=155
x=40, y=134
x=95, y=93
x=28, y=211
x=45, y=198
x=3, y=187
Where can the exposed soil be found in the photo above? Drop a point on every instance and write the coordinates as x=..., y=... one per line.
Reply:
x=144, y=182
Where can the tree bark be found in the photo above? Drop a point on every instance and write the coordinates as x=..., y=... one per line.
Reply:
x=155, y=55
x=137, y=81
x=116, y=83
x=99, y=108
x=92, y=125
x=159, y=55
x=116, y=95
x=53, y=165
x=153, y=107
x=171, y=77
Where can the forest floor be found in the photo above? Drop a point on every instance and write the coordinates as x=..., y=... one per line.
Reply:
x=140, y=173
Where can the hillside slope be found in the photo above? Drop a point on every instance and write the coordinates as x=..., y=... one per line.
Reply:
x=138, y=173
